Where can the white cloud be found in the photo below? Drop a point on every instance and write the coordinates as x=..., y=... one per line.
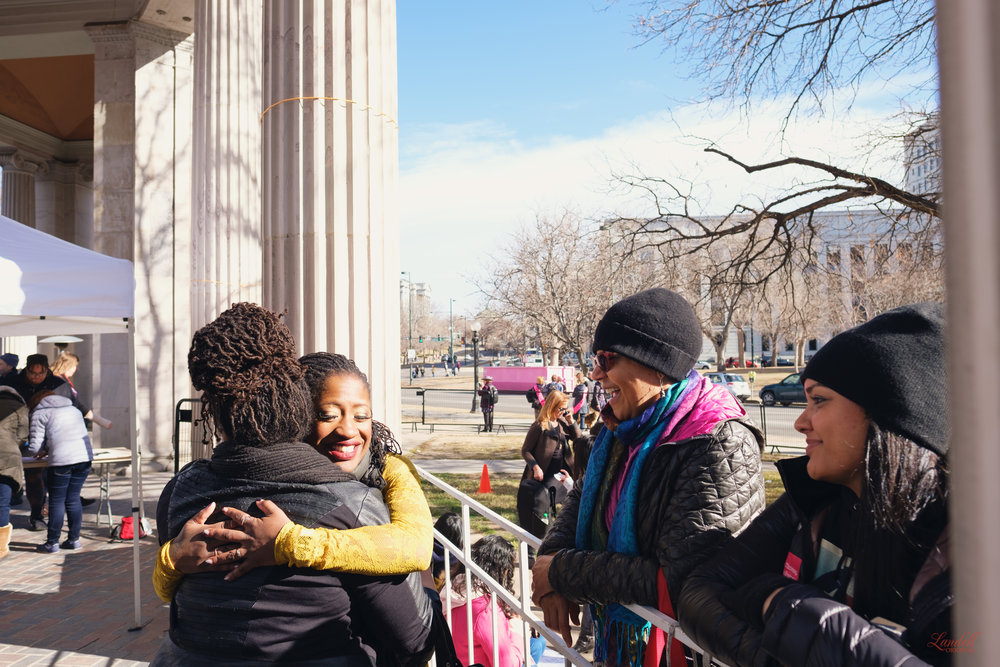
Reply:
x=467, y=187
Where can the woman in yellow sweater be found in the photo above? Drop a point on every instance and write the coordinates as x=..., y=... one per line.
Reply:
x=345, y=431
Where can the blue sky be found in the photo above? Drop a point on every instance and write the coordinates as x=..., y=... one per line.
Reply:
x=509, y=110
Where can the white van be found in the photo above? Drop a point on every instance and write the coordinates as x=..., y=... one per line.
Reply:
x=533, y=357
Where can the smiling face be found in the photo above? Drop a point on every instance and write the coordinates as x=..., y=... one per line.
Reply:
x=343, y=427
x=629, y=386
x=836, y=430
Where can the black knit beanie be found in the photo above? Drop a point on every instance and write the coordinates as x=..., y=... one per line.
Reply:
x=893, y=367
x=657, y=328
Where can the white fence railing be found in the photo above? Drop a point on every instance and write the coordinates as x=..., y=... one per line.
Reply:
x=521, y=603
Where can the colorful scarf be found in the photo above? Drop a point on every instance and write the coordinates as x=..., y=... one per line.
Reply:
x=610, y=452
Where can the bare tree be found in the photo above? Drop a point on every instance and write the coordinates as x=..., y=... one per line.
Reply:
x=809, y=49
x=806, y=48
x=558, y=276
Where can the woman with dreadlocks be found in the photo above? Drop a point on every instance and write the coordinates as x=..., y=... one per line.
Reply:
x=256, y=398
x=342, y=428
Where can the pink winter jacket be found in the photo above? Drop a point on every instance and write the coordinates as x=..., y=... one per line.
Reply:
x=482, y=635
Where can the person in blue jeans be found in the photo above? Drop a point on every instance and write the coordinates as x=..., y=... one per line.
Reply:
x=57, y=430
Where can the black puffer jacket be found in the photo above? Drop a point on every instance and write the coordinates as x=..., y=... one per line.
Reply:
x=721, y=602
x=693, y=494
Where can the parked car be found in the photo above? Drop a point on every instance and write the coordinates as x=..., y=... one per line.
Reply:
x=736, y=384
x=786, y=392
x=704, y=364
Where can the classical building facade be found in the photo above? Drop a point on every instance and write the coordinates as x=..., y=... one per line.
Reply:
x=233, y=151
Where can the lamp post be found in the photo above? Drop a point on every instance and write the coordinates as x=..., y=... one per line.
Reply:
x=409, y=313
x=475, y=326
x=451, y=332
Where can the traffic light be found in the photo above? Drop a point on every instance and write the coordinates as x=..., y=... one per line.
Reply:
x=420, y=339
x=463, y=340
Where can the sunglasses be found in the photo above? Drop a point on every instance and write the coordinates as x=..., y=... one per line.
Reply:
x=603, y=360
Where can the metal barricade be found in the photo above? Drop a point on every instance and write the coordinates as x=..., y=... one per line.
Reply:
x=191, y=440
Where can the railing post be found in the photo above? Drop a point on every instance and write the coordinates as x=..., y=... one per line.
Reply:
x=525, y=574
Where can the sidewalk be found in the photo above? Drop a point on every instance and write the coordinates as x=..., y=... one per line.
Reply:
x=76, y=607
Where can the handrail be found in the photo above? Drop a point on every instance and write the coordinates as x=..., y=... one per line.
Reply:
x=517, y=603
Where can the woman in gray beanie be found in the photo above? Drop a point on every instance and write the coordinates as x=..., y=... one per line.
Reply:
x=851, y=564
x=674, y=471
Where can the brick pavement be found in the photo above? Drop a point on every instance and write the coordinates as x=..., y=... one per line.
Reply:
x=76, y=607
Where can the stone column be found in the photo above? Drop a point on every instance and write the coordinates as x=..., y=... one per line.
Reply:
x=142, y=212
x=64, y=201
x=330, y=172
x=226, y=250
x=18, y=184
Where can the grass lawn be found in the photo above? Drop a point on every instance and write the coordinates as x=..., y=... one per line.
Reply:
x=503, y=499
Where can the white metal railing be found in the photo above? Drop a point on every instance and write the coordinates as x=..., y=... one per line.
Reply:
x=522, y=602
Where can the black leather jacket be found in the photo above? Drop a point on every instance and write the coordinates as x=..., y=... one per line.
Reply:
x=694, y=494
x=721, y=602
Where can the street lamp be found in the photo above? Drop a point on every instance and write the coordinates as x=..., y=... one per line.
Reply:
x=451, y=332
x=409, y=312
x=475, y=326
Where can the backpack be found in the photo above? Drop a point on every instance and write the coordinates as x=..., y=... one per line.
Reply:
x=494, y=395
x=125, y=531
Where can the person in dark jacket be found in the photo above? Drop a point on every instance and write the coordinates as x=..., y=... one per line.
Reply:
x=488, y=397
x=255, y=395
x=548, y=459
x=850, y=565
x=673, y=473
x=536, y=395
x=8, y=367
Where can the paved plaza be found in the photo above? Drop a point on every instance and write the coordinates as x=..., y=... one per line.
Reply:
x=76, y=607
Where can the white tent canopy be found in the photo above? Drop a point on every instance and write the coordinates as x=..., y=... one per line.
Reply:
x=49, y=286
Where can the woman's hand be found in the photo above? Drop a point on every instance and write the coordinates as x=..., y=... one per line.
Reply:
x=192, y=551
x=540, y=586
x=256, y=536
x=536, y=472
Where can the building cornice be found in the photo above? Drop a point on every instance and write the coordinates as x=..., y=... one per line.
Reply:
x=18, y=135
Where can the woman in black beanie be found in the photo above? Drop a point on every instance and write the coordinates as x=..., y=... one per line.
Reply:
x=674, y=471
x=850, y=565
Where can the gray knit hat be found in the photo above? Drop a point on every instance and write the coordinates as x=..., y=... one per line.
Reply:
x=657, y=328
x=893, y=367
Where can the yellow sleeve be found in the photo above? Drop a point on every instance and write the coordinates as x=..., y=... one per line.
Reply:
x=165, y=578
x=402, y=546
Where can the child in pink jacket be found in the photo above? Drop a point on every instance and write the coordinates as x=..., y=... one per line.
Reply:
x=496, y=556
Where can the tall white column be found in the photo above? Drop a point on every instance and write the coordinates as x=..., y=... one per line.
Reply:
x=969, y=58
x=226, y=249
x=18, y=183
x=142, y=212
x=330, y=173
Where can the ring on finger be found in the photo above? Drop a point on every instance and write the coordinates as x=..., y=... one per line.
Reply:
x=243, y=520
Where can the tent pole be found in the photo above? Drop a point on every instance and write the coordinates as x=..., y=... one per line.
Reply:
x=136, y=474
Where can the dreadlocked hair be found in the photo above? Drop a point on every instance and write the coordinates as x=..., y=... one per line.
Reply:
x=319, y=366
x=253, y=389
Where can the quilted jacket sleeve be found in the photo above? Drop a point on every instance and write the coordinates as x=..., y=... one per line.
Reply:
x=804, y=627
x=710, y=606
x=698, y=493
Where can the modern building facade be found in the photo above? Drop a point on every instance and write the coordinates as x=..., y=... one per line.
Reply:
x=233, y=151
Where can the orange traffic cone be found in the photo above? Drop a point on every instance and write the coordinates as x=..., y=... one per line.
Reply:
x=484, y=481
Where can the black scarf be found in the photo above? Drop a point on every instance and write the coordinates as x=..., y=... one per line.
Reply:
x=291, y=462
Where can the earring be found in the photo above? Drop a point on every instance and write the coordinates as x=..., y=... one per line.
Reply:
x=662, y=392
